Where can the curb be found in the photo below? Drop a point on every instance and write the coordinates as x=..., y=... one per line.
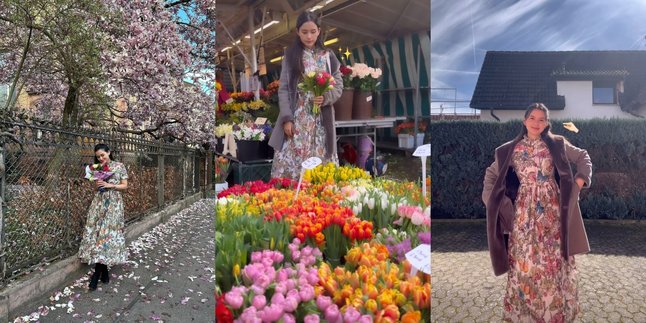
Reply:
x=26, y=294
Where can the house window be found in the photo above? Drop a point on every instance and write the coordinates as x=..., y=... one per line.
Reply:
x=603, y=92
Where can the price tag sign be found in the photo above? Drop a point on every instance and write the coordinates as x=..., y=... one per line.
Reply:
x=368, y=99
x=423, y=151
x=229, y=101
x=420, y=258
x=312, y=162
x=261, y=121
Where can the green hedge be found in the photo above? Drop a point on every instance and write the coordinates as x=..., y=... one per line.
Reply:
x=462, y=150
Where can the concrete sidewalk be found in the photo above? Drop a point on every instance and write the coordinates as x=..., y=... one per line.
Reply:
x=612, y=277
x=169, y=278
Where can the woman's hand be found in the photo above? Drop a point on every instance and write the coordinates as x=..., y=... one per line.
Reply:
x=288, y=127
x=104, y=184
x=580, y=182
x=318, y=100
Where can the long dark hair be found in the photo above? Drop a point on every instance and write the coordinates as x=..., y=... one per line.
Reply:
x=294, y=53
x=103, y=147
x=541, y=107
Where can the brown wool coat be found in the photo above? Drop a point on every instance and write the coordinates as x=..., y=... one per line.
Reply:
x=500, y=191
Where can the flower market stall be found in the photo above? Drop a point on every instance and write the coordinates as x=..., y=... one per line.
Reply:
x=339, y=250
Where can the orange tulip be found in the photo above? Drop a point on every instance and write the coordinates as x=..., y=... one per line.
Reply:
x=412, y=317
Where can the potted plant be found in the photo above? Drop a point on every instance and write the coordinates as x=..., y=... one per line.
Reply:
x=406, y=133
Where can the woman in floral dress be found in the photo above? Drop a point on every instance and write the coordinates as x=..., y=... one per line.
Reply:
x=305, y=133
x=535, y=205
x=103, y=241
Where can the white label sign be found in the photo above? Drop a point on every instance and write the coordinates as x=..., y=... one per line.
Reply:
x=423, y=150
x=420, y=258
x=229, y=101
x=312, y=162
x=368, y=99
x=261, y=121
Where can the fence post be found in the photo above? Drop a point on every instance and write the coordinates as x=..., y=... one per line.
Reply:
x=3, y=266
x=184, y=169
x=160, y=176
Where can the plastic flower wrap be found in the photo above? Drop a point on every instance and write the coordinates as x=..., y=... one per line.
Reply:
x=97, y=172
x=317, y=83
x=221, y=169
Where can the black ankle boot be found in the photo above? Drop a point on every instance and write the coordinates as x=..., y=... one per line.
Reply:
x=94, y=280
x=105, y=275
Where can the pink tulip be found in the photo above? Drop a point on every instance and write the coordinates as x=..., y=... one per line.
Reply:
x=323, y=302
x=288, y=318
x=296, y=255
x=281, y=288
x=332, y=313
x=351, y=314
x=271, y=313
x=250, y=315
x=417, y=218
x=259, y=301
x=257, y=290
x=256, y=256
x=294, y=294
x=283, y=275
x=278, y=298
x=306, y=293
x=291, y=284
x=291, y=303
x=234, y=299
x=278, y=257
x=365, y=319
x=311, y=318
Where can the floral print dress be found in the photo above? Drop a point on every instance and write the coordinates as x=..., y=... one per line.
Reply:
x=541, y=285
x=103, y=238
x=309, y=133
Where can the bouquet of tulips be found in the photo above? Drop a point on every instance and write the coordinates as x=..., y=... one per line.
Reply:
x=221, y=169
x=96, y=172
x=317, y=83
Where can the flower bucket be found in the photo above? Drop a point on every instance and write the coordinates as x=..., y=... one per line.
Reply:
x=249, y=150
x=362, y=105
x=420, y=140
x=406, y=141
x=266, y=151
x=219, y=145
x=343, y=106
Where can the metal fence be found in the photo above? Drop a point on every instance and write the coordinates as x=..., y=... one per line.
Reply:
x=45, y=195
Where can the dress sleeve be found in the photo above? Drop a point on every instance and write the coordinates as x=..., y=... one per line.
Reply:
x=123, y=171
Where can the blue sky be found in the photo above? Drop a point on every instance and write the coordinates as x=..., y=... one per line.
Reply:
x=462, y=31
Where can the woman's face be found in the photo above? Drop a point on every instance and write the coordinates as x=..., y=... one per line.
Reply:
x=535, y=123
x=103, y=156
x=308, y=33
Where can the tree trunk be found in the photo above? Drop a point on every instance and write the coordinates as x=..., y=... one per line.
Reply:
x=70, y=112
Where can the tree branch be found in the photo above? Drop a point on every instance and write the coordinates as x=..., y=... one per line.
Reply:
x=178, y=2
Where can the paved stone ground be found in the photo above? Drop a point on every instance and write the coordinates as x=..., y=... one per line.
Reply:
x=169, y=278
x=612, y=277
